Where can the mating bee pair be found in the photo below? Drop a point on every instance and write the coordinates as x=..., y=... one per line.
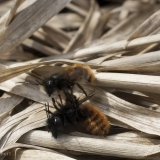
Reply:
x=72, y=111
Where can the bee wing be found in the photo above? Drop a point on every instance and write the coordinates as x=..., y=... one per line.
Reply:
x=46, y=71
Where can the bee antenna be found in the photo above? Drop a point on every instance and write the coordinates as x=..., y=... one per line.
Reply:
x=39, y=82
x=32, y=83
x=48, y=112
x=55, y=106
x=86, y=98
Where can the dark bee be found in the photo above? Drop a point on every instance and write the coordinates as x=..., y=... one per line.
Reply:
x=64, y=78
x=72, y=112
x=67, y=114
x=94, y=120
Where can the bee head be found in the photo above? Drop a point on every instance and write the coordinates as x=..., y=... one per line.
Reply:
x=55, y=124
x=50, y=85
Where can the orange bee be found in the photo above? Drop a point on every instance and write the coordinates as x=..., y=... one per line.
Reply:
x=64, y=78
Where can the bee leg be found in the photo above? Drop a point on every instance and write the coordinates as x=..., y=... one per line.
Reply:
x=32, y=83
x=55, y=106
x=60, y=99
x=71, y=88
x=80, y=87
x=65, y=121
x=47, y=110
x=39, y=82
x=59, y=104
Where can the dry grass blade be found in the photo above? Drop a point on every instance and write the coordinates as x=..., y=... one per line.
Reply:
x=17, y=87
x=124, y=28
x=118, y=46
x=36, y=120
x=57, y=36
x=129, y=81
x=21, y=28
x=79, y=10
x=66, y=21
x=13, y=72
x=82, y=4
x=20, y=68
x=40, y=47
x=132, y=137
x=19, y=145
x=7, y=102
x=150, y=68
x=84, y=32
x=17, y=3
x=16, y=119
x=91, y=145
x=107, y=49
x=24, y=154
x=143, y=30
x=150, y=57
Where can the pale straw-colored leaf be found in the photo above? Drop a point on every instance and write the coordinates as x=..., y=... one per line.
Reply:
x=22, y=26
x=82, y=4
x=25, y=154
x=66, y=21
x=105, y=49
x=57, y=36
x=40, y=47
x=7, y=102
x=143, y=83
x=91, y=145
x=16, y=119
x=77, y=9
x=17, y=3
x=36, y=120
x=85, y=30
x=135, y=60
x=19, y=145
x=146, y=27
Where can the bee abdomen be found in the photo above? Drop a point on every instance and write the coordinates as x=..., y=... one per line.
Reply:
x=95, y=121
x=83, y=72
x=88, y=74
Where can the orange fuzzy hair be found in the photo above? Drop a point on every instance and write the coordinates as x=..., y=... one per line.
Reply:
x=95, y=122
x=85, y=72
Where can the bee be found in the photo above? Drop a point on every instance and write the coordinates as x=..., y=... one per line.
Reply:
x=66, y=114
x=94, y=120
x=73, y=112
x=64, y=78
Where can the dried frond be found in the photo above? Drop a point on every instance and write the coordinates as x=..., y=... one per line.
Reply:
x=118, y=40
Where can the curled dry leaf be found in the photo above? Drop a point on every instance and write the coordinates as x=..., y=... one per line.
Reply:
x=92, y=145
x=7, y=102
x=15, y=119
